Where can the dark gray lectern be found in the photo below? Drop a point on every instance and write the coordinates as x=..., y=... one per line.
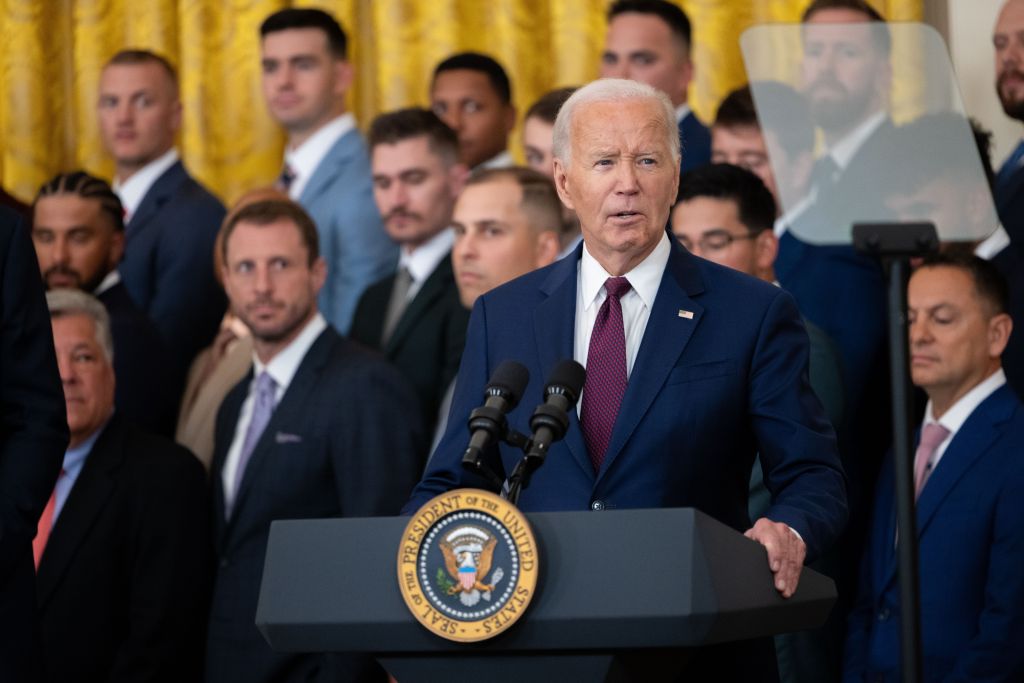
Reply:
x=619, y=596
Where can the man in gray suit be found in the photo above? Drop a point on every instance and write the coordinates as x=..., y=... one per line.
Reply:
x=326, y=168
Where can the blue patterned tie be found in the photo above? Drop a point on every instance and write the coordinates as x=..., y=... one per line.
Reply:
x=264, y=400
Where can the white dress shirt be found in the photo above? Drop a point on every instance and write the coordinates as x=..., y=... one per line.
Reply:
x=682, y=111
x=993, y=244
x=133, y=191
x=842, y=152
x=503, y=160
x=282, y=368
x=424, y=259
x=954, y=418
x=304, y=159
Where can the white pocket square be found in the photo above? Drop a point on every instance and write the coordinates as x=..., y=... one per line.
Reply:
x=281, y=437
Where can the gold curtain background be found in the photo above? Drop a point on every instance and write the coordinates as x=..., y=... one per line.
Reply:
x=53, y=51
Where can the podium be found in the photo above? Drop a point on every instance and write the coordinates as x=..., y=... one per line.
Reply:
x=621, y=595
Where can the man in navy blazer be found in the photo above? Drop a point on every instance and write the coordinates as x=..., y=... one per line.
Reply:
x=306, y=74
x=321, y=427
x=714, y=361
x=171, y=221
x=649, y=41
x=969, y=476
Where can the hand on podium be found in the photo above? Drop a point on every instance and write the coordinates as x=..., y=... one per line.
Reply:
x=786, y=552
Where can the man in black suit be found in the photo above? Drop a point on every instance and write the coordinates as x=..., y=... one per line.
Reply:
x=415, y=316
x=123, y=547
x=33, y=434
x=78, y=233
x=171, y=221
x=320, y=428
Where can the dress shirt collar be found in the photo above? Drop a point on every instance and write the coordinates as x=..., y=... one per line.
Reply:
x=844, y=150
x=993, y=244
x=74, y=458
x=503, y=160
x=645, y=278
x=682, y=111
x=304, y=159
x=422, y=260
x=955, y=417
x=285, y=364
x=111, y=280
x=133, y=191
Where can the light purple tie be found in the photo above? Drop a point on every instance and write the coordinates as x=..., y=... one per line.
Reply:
x=932, y=435
x=606, y=373
x=264, y=400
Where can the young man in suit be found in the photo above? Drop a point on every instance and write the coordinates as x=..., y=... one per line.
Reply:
x=414, y=315
x=171, y=221
x=692, y=368
x=472, y=94
x=969, y=477
x=649, y=41
x=321, y=427
x=123, y=547
x=33, y=435
x=78, y=233
x=306, y=75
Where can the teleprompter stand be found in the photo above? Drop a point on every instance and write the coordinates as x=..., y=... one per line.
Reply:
x=621, y=596
x=895, y=244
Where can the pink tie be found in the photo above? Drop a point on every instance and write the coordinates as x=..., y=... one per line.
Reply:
x=932, y=435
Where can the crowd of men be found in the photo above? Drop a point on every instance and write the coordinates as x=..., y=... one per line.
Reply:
x=315, y=350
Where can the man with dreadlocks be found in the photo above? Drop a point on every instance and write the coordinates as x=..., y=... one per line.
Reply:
x=78, y=233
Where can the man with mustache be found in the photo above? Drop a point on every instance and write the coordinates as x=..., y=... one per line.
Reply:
x=320, y=427
x=414, y=315
x=78, y=234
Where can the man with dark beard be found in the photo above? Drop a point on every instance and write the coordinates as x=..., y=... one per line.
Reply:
x=78, y=234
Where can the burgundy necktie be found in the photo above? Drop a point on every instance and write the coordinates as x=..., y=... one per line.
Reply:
x=932, y=435
x=606, y=373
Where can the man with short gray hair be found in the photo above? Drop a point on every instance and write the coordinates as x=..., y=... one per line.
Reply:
x=692, y=368
x=123, y=548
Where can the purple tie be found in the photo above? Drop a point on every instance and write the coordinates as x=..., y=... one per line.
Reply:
x=932, y=435
x=263, y=408
x=606, y=373
x=285, y=180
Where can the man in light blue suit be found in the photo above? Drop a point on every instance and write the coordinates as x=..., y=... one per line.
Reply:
x=969, y=476
x=692, y=368
x=326, y=166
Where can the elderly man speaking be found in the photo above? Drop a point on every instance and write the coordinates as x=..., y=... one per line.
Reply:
x=692, y=368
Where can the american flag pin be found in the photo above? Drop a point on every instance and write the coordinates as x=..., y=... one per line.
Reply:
x=686, y=314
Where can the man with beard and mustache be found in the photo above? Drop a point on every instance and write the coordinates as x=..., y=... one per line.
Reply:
x=78, y=233
x=414, y=315
x=320, y=427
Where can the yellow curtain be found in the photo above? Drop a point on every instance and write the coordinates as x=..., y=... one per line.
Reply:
x=54, y=49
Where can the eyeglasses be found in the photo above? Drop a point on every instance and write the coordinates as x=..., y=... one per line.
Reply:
x=714, y=240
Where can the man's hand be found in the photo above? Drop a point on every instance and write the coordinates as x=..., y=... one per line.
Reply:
x=786, y=552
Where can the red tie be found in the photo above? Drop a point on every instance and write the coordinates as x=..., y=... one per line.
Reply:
x=45, y=524
x=606, y=373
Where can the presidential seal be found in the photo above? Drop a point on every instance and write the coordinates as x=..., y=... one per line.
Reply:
x=467, y=566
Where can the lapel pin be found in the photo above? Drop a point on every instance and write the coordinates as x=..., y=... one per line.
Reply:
x=686, y=314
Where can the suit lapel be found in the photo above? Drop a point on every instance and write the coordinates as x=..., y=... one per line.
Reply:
x=555, y=333
x=339, y=155
x=88, y=497
x=155, y=198
x=663, y=342
x=227, y=425
x=433, y=288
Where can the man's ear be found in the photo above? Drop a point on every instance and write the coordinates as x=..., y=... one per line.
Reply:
x=562, y=183
x=999, y=329
x=116, y=249
x=548, y=248
x=766, y=246
x=344, y=75
x=319, y=271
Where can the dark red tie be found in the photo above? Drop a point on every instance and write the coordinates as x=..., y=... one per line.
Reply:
x=606, y=373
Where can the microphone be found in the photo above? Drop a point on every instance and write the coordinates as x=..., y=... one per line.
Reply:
x=488, y=422
x=550, y=420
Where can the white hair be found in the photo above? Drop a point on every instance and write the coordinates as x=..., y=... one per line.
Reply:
x=68, y=302
x=613, y=90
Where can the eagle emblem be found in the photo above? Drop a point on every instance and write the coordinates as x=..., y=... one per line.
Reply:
x=468, y=555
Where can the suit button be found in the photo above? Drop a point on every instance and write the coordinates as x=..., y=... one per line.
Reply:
x=883, y=614
x=597, y=505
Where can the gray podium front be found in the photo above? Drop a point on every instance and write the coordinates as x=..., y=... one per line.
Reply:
x=620, y=596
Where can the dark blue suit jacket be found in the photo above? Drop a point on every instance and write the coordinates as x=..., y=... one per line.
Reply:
x=344, y=441
x=970, y=524
x=705, y=395
x=168, y=262
x=696, y=141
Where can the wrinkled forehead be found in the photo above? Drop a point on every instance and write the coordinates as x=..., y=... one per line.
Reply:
x=620, y=124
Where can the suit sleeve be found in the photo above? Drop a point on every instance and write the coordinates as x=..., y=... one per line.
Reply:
x=33, y=424
x=171, y=573
x=796, y=442
x=995, y=653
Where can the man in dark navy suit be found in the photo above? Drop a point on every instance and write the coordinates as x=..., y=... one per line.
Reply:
x=692, y=368
x=78, y=233
x=649, y=41
x=969, y=478
x=171, y=221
